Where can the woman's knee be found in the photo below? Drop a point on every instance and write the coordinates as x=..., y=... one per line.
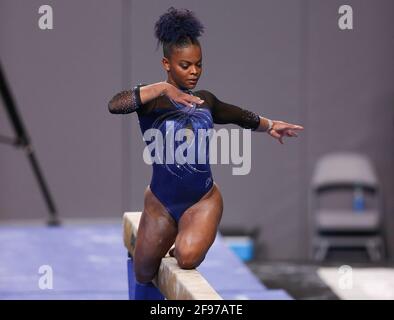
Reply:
x=188, y=258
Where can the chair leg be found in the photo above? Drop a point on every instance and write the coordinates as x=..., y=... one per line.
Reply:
x=375, y=250
x=321, y=250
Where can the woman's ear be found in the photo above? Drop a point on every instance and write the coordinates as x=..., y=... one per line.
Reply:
x=166, y=64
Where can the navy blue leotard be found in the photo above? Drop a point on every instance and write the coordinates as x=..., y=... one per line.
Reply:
x=179, y=185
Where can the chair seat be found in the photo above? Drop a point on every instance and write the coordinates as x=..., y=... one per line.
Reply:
x=347, y=220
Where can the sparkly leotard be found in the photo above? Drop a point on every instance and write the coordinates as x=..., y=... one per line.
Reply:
x=180, y=184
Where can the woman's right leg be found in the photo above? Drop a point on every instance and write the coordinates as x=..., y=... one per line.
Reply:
x=156, y=234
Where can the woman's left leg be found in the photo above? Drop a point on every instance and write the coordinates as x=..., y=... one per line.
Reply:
x=197, y=229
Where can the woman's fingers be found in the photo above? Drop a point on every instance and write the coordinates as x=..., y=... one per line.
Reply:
x=189, y=100
x=290, y=130
x=292, y=127
x=283, y=129
x=193, y=99
x=291, y=133
x=186, y=102
x=296, y=127
x=288, y=126
x=199, y=100
x=182, y=101
x=280, y=136
x=275, y=134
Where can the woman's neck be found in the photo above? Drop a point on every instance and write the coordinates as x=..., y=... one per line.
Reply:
x=170, y=81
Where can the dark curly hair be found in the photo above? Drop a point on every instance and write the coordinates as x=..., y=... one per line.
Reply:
x=177, y=28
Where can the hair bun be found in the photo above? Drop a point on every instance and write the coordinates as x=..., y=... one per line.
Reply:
x=178, y=25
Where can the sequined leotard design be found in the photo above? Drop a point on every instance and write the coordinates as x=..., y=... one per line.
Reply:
x=180, y=184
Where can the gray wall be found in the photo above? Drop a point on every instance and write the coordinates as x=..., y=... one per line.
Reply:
x=61, y=80
x=349, y=89
x=286, y=60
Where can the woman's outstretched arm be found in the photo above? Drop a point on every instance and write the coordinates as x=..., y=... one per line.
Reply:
x=223, y=113
x=129, y=101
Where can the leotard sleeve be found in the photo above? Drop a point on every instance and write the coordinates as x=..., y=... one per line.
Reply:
x=223, y=113
x=126, y=101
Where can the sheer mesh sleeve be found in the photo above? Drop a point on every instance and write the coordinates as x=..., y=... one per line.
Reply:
x=223, y=113
x=126, y=101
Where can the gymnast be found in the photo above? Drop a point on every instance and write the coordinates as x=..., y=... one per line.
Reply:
x=182, y=204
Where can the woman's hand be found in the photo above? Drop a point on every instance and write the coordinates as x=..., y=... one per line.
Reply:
x=179, y=96
x=282, y=129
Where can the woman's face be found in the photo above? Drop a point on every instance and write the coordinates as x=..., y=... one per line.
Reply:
x=184, y=67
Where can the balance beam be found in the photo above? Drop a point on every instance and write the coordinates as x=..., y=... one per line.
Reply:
x=172, y=281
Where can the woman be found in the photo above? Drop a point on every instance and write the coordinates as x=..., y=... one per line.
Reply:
x=182, y=204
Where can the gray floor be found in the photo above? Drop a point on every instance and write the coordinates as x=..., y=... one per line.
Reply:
x=301, y=280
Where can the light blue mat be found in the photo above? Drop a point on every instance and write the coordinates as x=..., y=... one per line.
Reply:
x=89, y=262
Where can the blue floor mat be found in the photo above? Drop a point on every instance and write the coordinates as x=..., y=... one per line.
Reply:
x=89, y=262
